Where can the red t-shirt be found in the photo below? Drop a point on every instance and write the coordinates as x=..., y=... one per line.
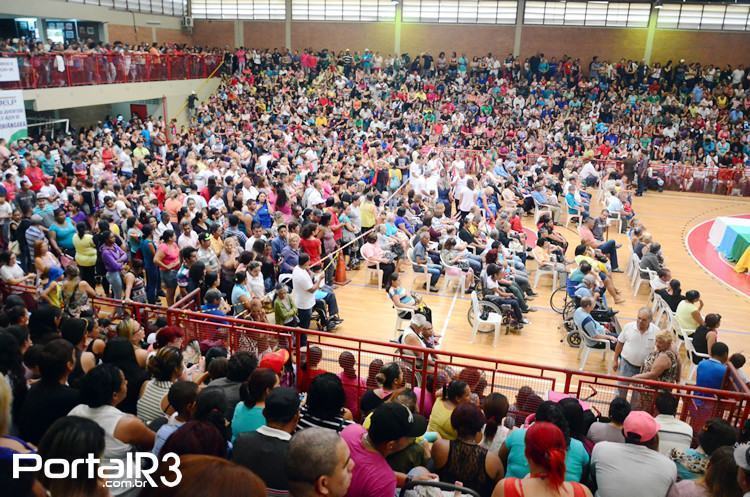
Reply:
x=312, y=248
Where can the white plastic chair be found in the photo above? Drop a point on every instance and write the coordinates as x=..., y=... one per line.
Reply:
x=633, y=262
x=578, y=215
x=494, y=319
x=691, y=352
x=640, y=280
x=454, y=274
x=539, y=210
x=587, y=346
x=373, y=269
x=398, y=326
x=549, y=271
x=422, y=273
x=615, y=217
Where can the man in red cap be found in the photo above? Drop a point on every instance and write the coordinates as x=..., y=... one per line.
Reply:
x=635, y=467
x=275, y=360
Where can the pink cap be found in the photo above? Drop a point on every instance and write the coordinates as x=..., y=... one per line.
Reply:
x=642, y=424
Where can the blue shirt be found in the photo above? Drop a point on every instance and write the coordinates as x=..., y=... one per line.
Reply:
x=710, y=374
x=246, y=419
x=576, y=458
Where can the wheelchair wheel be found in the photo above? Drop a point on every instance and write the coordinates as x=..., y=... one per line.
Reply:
x=568, y=310
x=319, y=318
x=485, y=308
x=558, y=299
x=574, y=339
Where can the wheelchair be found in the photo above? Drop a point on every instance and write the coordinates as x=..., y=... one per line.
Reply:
x=486, y=307
x=607, y=317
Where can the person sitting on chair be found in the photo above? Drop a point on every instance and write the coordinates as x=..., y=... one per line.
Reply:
x=407, y=304
x=590, y=327
x=419, y=333
x=493, y=292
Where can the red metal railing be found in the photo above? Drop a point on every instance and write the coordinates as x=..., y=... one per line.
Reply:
x=520, y=382
x=524, y=384
x=55, y=70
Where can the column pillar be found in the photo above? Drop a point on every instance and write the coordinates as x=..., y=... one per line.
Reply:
x=288, y=25
x=521, y=6
x=650, y=33
x=239, y=33
x=397, y=30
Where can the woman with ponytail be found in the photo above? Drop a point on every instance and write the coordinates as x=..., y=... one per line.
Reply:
x=248, y=414
x=454, y=393
x=546, y=449
x=389, y=379
x=495, y=431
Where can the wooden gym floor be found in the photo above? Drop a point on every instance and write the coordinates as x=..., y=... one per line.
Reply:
x=668, y=216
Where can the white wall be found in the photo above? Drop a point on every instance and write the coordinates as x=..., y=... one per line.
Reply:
x=176, y=93
x=56, y=9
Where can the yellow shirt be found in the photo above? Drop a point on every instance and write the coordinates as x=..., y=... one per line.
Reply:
x=367, y=214
x=684, y=316
x=85, y=250
x=440, y=421
x=217, y=245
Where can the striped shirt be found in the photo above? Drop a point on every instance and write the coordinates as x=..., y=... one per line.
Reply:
x=148, y=407
x=306, y=420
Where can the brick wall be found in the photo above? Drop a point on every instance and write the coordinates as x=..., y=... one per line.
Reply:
x=173, y=36
x=213, y=33
x=470, y=40
x=708, y=47
x=128, y=34
x=264, y=34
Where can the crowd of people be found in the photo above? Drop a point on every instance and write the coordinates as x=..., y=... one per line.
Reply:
x=300, y=161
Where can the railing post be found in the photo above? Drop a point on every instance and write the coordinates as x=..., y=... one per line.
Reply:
x=66, y=60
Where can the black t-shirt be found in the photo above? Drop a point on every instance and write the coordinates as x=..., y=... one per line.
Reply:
x=700, y=343
x=265, y=456
x=45, y=403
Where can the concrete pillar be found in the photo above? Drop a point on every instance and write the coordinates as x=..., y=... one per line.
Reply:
x=397, y=30
x=239, y=33
x=650, y=33
x=288, y=25
x=153, y=34
x=519, y=27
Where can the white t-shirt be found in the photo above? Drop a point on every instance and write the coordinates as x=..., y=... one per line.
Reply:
x=8, y=273
x=673, y=434
x=301, y=284
x=627, y=470
x=467, y=199
x=637, y=345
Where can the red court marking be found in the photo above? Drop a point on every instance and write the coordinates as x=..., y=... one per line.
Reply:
x=709, y=259
x=530, y=237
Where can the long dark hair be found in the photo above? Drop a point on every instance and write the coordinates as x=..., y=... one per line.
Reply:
x=495, y=409
x=81, y=229
x=254, y=389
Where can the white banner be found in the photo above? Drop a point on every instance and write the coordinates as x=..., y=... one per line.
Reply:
x=12, y=116
x=9, y=69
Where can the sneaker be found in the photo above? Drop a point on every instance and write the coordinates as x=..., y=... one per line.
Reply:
x=525, y=321
x=532, y=309
x=617, y=270
x=433, y=290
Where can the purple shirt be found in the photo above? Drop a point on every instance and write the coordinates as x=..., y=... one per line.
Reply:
x=372, y=477
x=113, y=258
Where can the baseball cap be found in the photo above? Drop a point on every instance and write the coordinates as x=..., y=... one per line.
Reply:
x=37, y=219
x=642, y=424
x=212, y=295
x=275, y=361
x=391, y=421
x=281, y=404
x=742, y=456
x=205, y=236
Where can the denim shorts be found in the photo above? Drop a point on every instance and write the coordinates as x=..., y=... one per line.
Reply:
x=169, y=278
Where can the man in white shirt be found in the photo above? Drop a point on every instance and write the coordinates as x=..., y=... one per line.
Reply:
x=589, y=174
x=634, y=467
x=303, y=292
x=188, y=237
x=673, y=433
x=634, y=343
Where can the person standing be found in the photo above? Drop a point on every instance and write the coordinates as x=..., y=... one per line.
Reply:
x=303, y=291
x=114, y=258
x=634, y=344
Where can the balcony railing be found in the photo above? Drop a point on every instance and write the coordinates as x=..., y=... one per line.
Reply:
x=57, y=70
